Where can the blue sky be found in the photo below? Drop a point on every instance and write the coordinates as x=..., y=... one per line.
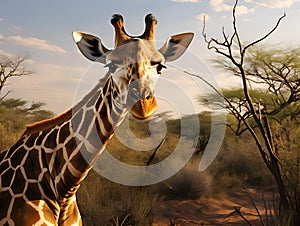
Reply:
x=43, y=29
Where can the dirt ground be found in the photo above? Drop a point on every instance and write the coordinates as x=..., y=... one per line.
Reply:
x=219, y=210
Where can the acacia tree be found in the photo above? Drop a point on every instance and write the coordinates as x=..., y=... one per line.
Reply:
x=279, y=75
x=11, y=66
x=16, y=113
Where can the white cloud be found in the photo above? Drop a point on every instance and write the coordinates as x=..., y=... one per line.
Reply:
x=201, y=17
x=184, y=1
x=242, y=10
x=33, y=43
x=49, y=84
x=220, y=6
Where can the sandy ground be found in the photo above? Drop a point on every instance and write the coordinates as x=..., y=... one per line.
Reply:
x=221, y=210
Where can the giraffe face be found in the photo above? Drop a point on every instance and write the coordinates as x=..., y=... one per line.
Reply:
x=135, y=64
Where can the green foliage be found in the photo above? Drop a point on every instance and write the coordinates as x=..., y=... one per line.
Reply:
x=15, y=114
x=272, y=75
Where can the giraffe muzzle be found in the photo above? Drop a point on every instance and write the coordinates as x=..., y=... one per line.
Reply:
x=141, y=104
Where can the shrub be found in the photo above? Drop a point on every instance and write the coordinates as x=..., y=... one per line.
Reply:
x=188, y=183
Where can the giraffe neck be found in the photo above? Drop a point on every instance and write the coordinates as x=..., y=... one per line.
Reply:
x=69, y=149
x=93, y=123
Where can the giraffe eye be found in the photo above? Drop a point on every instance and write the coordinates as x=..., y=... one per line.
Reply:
x=111, y=67
x=159, y=68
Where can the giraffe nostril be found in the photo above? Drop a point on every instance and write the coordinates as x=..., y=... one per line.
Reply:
x=134, y=94
x=147, y=93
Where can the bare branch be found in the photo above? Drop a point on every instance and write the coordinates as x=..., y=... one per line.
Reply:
x=235, y=27
x=12, y=67
x=5, y=95
x=263, y=134
x=266, y=36
x=236, y=112
x=256, y=209
x=154, y=152
x=210, y=43
x=244, y=218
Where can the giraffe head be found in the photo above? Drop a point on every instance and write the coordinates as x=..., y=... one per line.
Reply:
x=135, y=63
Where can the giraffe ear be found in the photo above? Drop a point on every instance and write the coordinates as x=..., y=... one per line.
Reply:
x=175, y=46
x=90, y=46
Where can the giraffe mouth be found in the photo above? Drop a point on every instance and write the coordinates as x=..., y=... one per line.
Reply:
x=143, y=108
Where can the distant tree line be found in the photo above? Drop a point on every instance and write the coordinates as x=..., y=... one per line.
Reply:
x=15, y=114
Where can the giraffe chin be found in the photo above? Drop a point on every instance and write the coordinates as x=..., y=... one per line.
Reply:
x=144, y=108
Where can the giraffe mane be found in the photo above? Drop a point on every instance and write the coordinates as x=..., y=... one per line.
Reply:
x=48, y=123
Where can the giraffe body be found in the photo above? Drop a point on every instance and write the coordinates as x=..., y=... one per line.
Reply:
x=40, y=174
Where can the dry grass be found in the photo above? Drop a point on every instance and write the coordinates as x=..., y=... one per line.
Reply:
x=103, y=202
x=188, y=183
x=238, y=165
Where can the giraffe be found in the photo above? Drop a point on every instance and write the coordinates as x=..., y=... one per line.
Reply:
x=41, y=172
